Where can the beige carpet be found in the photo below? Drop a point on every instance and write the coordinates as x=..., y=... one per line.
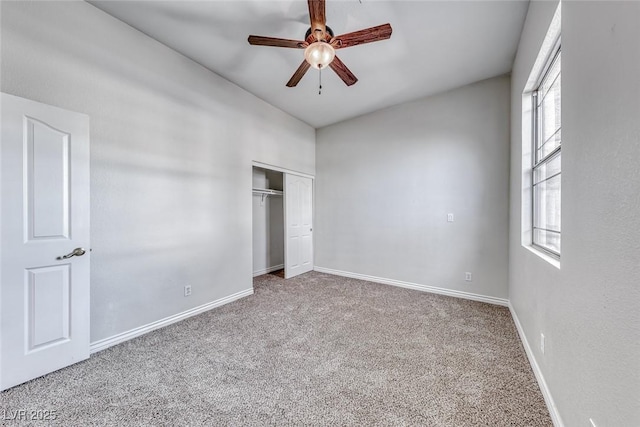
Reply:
x=314, y=350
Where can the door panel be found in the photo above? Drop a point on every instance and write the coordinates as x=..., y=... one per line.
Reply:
x=47, y=166
x=298, y=200
x=48, y=306
x=306, y=252
x=44, y=298
x=294, y=253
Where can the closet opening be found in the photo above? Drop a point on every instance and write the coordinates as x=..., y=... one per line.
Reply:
x=282, y=221
x=268, y=221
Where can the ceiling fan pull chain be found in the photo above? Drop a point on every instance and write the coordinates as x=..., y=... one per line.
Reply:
x=319, y=80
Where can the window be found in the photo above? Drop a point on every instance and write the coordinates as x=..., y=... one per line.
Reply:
x=547, y=141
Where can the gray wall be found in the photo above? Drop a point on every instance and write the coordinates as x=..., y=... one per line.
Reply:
x=589, y=308
x=268, y=222
x=386, y=181
x=171, y=151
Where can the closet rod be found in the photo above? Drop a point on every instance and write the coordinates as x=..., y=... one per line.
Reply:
x=264, y=192
x=267, y=192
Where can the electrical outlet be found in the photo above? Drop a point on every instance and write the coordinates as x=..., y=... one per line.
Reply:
x=187, y=290
x=542, y=343
x=593, y=423
x=450, y=217
x=467, y=276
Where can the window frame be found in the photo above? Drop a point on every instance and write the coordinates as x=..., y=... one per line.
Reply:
x=535, y=161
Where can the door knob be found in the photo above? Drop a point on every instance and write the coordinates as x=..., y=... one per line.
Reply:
x=75, y=252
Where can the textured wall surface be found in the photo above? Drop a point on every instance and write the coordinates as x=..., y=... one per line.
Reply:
x=589, y=308
x=171, y=151
x=386, y=181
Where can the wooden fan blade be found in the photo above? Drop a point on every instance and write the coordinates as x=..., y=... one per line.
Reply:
x=297, y=76
x=272, y=41
x=317, y=17
x=368, y=35
x=343, y=72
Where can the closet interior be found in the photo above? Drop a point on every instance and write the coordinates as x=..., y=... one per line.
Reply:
x=268, y=221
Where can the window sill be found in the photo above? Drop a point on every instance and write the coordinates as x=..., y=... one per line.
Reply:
x=548, y=258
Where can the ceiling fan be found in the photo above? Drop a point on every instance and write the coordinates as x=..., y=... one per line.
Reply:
x=320, y=44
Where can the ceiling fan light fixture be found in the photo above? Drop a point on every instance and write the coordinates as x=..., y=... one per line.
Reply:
x=319, y=54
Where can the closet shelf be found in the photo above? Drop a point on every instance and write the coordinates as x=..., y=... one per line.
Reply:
x=267, y=192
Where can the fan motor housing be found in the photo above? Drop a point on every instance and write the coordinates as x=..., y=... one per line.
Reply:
x=329, y=31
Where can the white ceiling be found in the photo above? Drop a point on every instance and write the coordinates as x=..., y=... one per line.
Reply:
x=435, y=46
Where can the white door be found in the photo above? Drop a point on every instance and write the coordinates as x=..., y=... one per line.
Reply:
x=298, y=218
x=44, y=290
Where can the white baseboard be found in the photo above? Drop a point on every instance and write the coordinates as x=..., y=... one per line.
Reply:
x=133, y=333
x=546, y=393
x=432, y=289
x=268, y=270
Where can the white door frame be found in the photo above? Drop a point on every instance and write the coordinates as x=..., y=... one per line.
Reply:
x=280, y=169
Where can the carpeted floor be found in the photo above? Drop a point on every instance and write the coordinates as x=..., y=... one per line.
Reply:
x=314, y=350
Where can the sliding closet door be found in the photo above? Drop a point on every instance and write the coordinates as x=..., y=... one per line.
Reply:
x=298, y=241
